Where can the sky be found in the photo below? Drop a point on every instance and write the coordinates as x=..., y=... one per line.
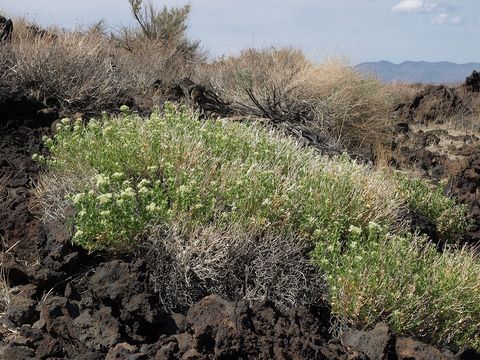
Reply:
x=358, y=30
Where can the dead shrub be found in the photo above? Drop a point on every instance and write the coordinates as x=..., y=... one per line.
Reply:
x=281, y=84
x=188, y=265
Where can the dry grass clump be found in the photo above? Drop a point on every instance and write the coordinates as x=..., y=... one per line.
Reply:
x=89, y=70
x=403, y=92
x=233, y=262
x=75, y=69
x=50, y=200
x=281, y=84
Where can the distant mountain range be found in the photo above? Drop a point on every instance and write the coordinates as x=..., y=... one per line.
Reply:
x=443, y=72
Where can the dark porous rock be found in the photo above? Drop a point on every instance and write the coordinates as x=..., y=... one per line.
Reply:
x=45, y=278
x=125, y=351
x=88, y=355
x=50, y=348
x=425, y=226
x=193, y=354
x=57, y=252
x=180, y=322
x=213, y=322
x=98, y=330
x=168, y=351
x=335, y=351
x=378, y=344
x=58, y=313
x=116, y=281
x=32, y=334
x=409, y=349
x=15, y=271
x=184, y=342
x=123, y=287
x=467, y=353
x=21, y=309
x=12, y=352
x=230, y=330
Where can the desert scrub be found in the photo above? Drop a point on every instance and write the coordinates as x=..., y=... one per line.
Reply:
x=376, y=276
x=430, y=201
x=173, y=166
x=331, y=98
x=203, y=194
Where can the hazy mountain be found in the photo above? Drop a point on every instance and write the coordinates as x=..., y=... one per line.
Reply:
x=419, y=71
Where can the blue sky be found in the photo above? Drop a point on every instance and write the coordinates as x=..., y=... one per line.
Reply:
x=361, y=30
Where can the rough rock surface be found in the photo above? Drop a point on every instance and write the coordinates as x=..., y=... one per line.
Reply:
x=442, y=154
x=472, y=82
x=433, y=103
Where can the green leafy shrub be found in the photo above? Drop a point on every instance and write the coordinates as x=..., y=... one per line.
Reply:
x=221, y=171
x=205, y=194
x=431, y=202
x=375, y=276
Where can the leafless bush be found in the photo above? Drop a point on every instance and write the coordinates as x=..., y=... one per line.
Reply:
x=188, y=265
x=164, y=24
x=332, y=98
x=261, y=82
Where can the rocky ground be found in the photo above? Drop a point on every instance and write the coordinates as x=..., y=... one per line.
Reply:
x=65, y=303
x=438, y=138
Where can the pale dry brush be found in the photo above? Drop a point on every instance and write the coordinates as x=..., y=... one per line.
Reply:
x=283, y=85
x=76, y=69
x=50, y=195
x=232, y=262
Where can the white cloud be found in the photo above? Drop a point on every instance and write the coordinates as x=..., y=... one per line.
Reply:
x=442, y=12
x=440, y=19
x=415, y=6
x=456, y=20
x=446, y=19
